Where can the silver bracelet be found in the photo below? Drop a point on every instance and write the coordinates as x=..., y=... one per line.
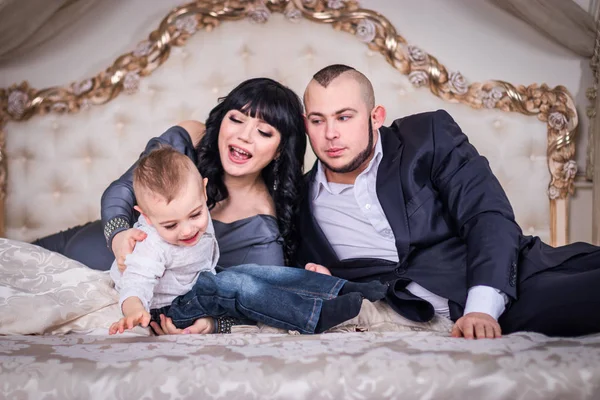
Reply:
x=114, y=225
x=224, y=324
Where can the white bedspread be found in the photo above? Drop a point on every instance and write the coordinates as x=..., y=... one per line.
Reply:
x=376, y=355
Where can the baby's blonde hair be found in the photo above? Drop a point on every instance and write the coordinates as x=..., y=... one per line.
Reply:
x=162, y=172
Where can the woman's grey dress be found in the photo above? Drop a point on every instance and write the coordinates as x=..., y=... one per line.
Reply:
x=253, y=240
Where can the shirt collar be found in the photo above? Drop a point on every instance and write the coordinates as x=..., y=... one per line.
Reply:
x=321, y=182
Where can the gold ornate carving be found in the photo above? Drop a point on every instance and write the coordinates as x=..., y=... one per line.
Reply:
x=551, y=105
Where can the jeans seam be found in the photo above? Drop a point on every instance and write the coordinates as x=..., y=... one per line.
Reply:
x=328, y=295
x=303, y=330
x=332, y=293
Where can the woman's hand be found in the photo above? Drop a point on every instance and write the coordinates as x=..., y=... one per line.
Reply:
x=202, y=326
x=123, y=244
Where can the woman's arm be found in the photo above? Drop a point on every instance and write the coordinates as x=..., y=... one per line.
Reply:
x=118, y=199
x=195, y=129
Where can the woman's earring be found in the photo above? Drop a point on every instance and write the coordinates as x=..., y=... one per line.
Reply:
x=275, y=171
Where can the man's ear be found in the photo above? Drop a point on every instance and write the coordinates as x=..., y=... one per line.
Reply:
x=146, y=217
x=378, y=116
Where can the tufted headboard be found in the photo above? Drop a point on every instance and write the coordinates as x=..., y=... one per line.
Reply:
x=60, y=147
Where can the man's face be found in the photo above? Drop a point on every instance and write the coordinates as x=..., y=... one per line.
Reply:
x=339, y=127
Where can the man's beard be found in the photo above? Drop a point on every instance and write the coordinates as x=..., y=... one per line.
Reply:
x=358, y=160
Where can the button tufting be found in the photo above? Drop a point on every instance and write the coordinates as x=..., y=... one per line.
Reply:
x=245, y=52
x=309, y=53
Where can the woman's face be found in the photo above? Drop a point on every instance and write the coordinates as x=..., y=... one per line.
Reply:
x=246, y=144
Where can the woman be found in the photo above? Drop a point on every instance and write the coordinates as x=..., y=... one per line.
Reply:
x=252, y=153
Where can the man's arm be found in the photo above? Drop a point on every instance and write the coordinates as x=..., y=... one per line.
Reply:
x=484, y=220
x=477, y=203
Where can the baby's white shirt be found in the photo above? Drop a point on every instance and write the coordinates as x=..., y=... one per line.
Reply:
x=158, y=271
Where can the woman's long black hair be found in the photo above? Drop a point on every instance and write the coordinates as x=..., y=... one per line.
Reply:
x=281, y=108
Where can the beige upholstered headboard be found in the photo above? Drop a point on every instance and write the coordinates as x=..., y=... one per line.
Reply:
x=60, y=147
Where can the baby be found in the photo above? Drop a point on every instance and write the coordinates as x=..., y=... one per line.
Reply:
x=180, y=244
x=172, y=271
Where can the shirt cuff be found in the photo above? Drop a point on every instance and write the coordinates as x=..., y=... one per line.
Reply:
x=485, y=299
x=125, y=294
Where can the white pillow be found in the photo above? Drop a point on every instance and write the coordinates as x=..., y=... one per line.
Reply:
x=42, y=292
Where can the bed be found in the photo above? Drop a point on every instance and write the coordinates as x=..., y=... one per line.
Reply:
x=199, y=52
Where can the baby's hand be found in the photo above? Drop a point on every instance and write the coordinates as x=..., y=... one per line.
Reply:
x=141, y=317
x=318, y=268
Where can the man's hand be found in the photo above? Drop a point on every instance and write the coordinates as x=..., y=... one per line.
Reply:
x=476, y=325
x=318, y=268
x=123, y=244
x=139, y=318
x=200, y=326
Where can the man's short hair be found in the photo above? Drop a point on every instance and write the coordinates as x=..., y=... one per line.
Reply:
x=162, y=172
x=326, y=75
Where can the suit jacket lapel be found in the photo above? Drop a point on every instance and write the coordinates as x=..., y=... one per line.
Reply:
x=389, y=190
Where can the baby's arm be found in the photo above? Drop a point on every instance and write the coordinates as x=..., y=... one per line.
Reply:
x=145, y=266
x=134, y=314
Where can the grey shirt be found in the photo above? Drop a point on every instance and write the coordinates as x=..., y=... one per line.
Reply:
x=253, y=240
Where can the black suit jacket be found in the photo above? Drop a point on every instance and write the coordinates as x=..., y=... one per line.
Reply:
x=453, y=224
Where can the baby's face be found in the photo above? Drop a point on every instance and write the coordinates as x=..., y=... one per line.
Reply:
x=184, y=220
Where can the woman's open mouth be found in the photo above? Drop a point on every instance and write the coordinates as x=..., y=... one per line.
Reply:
x=239, y=155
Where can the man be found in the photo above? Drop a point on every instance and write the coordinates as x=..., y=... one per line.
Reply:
x=416, y=206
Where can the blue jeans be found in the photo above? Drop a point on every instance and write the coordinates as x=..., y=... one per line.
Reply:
x=281, y=297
